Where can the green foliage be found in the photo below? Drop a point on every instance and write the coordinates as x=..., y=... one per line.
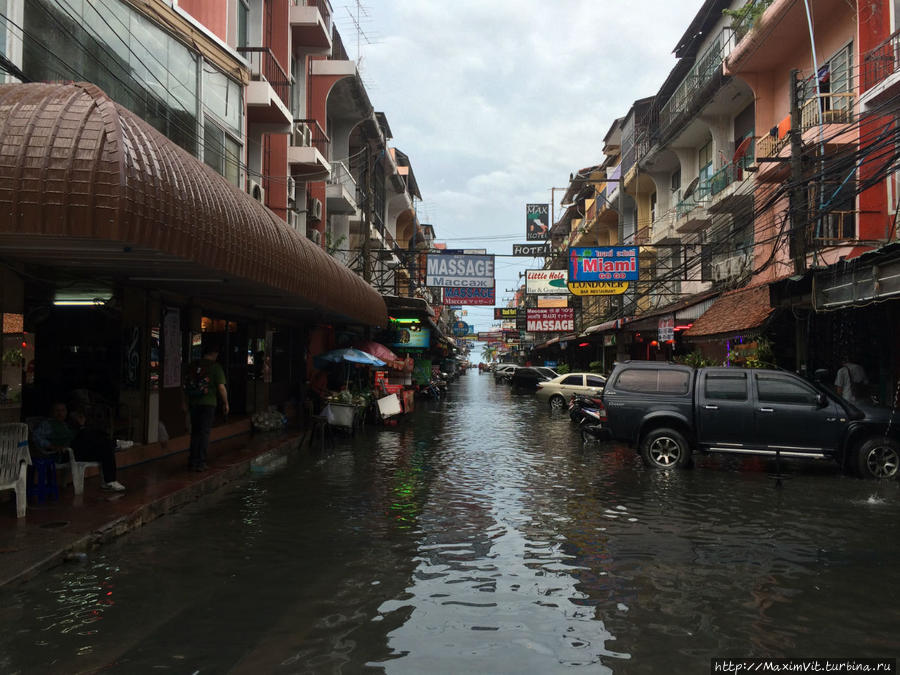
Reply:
x=13, y=357
x=695, y=360
x=332, y=245
x=745, y=17
x=596, y=367
x=562, y=368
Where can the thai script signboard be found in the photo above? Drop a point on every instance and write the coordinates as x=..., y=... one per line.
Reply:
x=546, y=282
x=469, y=296
x=603, y=263
x=559, y=319
x=450, y=270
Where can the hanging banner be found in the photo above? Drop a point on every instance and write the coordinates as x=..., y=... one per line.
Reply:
x=450, y=270
x=531, y=250
x=469, y=296
x=507, y=313
x=546, y=282
x=551, y=320
x=537, y=222
x=603, y=263
x=666, y=327
x=597, y=287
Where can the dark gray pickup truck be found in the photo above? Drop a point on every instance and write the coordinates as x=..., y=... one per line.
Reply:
x=667, y=411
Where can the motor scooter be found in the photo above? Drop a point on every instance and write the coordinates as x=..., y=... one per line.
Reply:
x=581, y=402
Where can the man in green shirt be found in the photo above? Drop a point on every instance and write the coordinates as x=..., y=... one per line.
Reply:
x=203, y=383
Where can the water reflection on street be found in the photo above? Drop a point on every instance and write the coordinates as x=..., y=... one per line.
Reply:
x=480, y=536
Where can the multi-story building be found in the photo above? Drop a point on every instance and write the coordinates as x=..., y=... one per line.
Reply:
x=190, y=186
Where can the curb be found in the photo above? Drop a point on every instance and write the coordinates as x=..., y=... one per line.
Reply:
x=271, y=459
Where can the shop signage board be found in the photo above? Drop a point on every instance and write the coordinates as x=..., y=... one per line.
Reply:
x=547, y=301
x=493, y=336
x=546, y=282
x=504, y=313
x=460, y=328
x=470, y=296
x=453, y=270
x=551, y=320
x=537, y=221
x=410, y=336
x=521, y=321
x=667, y=328
x=603, y=263
x=597, y=287
x=531, y=250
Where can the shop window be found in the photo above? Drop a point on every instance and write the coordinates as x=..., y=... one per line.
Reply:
x=222, y=152
x=704, y=162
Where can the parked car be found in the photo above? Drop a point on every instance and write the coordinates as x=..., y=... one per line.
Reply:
x=556, y=392
x=668, y=411
x=528, y=378
x=503, y=371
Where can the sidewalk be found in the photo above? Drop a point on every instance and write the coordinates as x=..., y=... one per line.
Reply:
x=52, y=530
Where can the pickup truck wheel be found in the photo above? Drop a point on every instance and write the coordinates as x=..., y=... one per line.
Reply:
x=878, y=458
x=665, y=449
x=557, y=402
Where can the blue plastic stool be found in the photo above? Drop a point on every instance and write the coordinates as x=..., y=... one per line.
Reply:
x=42, y=482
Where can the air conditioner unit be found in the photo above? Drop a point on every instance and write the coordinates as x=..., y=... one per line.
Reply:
x=291, y=189
x=302, y=137
x=314, y=235
x=315, y=209
x=293, y=219
x=256, y=191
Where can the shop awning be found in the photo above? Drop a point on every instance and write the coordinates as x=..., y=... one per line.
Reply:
x=733, y=313
x=89, y=187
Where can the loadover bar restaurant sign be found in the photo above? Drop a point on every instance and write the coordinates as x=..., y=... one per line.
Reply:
x=603, y=263
x=550, y=320
x=453, y=270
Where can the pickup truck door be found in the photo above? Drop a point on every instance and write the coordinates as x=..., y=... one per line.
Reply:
x=724, y=411
x=788, y=416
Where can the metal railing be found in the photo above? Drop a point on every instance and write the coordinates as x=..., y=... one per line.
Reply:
x=880, y=62
x=318, y=138
x=699, y=197
x=340, y=175
x=642, y=236
x=728, y=174
x=263, y=64
x=834, y=226
x=833, y=108
x=705, y=68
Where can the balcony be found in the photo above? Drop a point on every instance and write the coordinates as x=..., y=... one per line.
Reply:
x=308, y=151
x=269, y=90
x=727, y=189
x=311, y=24
x=836, y=114
x=881, y=75
x=834, y=228
x=340, y=192
x=663, y=230
x=692, y=213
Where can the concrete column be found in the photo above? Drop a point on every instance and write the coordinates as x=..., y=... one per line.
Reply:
x=722, y=129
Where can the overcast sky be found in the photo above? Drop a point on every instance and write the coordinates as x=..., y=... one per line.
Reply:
x=497, y=101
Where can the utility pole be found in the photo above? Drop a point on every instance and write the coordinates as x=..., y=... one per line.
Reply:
x=368, y=214
x=798, y=198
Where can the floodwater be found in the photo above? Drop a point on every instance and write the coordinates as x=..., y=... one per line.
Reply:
x=480, y=536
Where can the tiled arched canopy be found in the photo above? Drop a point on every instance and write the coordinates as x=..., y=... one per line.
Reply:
x=87, y=185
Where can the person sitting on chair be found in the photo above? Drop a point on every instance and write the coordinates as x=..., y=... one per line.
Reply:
x=88, y=445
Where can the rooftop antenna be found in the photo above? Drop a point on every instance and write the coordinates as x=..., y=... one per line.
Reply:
x=359, y=13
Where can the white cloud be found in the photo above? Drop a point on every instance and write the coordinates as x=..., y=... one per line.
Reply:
x=496, y=102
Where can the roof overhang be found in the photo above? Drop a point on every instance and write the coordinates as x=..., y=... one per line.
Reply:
x=89, y=188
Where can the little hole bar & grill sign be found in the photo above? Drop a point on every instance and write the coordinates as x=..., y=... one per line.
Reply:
x=458, y=270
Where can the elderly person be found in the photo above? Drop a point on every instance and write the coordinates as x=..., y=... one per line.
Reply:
x=57, y=433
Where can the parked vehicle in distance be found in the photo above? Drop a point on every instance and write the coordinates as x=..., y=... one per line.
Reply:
x=527, y=378
x=559, y=390
x=668, y=411
x=503, y=371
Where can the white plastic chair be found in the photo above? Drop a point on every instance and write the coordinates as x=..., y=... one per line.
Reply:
x=78, y=469
x=14, y=460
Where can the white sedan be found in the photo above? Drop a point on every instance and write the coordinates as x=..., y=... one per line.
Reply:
x=557, y=391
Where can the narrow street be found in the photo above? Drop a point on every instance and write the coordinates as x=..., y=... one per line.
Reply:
x=480, y=535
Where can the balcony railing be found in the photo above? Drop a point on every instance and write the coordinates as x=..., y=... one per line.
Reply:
x=264, y=64
x=728, y=174
x=834, y=109
x=340, y=175
x=707, y=66
x=699, y=197
x=324, y=9
x=318, y=138
x=882, y=61
x=642, y=236
x=832, y=227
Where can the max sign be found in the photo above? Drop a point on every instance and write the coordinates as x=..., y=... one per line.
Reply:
x=460, y=271
x=603, y=263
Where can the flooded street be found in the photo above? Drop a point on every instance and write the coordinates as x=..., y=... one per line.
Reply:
x=480, y=535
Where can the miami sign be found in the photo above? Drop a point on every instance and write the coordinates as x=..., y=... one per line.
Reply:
x=603, y=263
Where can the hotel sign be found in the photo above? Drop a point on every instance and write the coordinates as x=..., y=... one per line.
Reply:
x=459, y=271
x=560, y=319
x=546, y=282
x=603, y=263
x=531, y=250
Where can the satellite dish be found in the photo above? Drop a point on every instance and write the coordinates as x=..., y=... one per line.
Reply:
x=741, y=150
x=689, y=190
